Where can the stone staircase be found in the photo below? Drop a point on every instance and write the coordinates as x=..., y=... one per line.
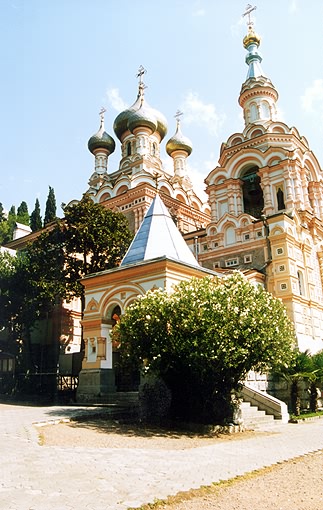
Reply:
x=255, y=419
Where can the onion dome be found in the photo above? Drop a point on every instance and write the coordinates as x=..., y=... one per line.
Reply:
x=251, y=38
x=143, y=117
x=120, y=125
x=101, y=139
x=179, y=142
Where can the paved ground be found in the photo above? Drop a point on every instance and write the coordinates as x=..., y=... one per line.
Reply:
x=34, y=477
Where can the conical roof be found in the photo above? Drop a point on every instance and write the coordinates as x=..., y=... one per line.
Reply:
x=158, y=237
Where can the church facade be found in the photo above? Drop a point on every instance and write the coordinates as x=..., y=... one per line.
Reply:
x=265, y=198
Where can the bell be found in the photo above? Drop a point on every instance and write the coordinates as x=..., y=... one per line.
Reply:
x=253, y=189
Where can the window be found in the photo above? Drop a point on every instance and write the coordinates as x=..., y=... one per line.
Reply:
x=300, y=283
x=247, y=259
x=246, y=237
x=280, y=199
x=283, y=286
x=259, y=233
x=129, y=149
x=231, y=262
x=216, y=264
x=281, y=268
x=280, y=251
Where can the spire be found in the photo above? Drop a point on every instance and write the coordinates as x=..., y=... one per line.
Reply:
x=259, y=106
x=251, y=43
x=158, y=237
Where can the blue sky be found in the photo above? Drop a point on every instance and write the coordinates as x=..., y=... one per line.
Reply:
x=62, y=60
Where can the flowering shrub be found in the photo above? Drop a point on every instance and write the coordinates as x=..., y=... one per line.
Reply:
x=203, y=338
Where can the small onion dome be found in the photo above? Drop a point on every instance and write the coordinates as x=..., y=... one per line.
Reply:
x=179, y=142
x=251, y=38
x=101, y=140
x=143, y=117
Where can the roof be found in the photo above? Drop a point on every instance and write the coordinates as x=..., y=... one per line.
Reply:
x=157, y=237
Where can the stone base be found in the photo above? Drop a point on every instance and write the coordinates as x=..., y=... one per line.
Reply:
x=95, y=384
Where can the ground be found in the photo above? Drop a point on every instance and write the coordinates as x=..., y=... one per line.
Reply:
x=296, y=484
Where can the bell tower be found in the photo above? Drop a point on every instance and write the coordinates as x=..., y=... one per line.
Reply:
x=266, y=199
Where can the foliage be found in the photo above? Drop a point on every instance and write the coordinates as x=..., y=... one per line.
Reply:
x=35, y=218
x=91, y=238
x=7, y=226
x=50, y=208
x=22, y=214
x=18, y=308
x=307, y=368
x=204, y=337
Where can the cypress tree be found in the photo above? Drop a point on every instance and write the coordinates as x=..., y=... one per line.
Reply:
x=22, y=214
x=50, y=210
x=35, y=218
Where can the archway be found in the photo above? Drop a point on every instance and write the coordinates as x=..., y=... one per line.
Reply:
x=253, y=200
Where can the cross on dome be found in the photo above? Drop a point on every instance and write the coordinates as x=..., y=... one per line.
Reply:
x=248, y=12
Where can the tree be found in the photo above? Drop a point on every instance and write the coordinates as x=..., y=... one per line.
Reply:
x=2, y=215
x=50, y=209
x=35, y=218
x=22, y=214
x=19, y=307
x=89, y=239
x=7, y=226
x=203, y=339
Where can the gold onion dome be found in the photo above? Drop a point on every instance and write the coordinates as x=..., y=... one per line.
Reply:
x=179, y=142
x=251, y=38
x=101, y=140
x=120, y=125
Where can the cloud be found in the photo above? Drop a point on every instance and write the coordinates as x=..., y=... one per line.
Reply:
x=115, y=100
x=293, y=7
x=202, y=114
x=312, y=100
x=199, y=12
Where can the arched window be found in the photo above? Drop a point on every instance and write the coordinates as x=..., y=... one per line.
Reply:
x=230, y=236
x=301, y=287
x=129, y=149
x=154, y=149
x=253, y=112
x=253, y=200
x=280, y=199
x=115, y=315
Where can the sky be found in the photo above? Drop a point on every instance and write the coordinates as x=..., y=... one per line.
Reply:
x=62, y=60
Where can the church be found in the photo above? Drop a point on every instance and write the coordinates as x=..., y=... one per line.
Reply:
x=263, y=216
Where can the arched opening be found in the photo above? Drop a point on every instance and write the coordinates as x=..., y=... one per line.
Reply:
x=128, y=149
x=154, y=149
x=230, y=236
x=280, y=199
x=122, y=189
x=301, y=287
x=126, y=378
x=253, y=199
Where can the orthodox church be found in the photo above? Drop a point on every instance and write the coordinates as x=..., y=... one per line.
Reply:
x=264, y=215
x=265, y=197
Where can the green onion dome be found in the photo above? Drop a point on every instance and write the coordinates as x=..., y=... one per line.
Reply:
x=101, y=140
x=179, y=142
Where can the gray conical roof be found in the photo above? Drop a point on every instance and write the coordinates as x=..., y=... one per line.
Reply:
x=158, y=237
